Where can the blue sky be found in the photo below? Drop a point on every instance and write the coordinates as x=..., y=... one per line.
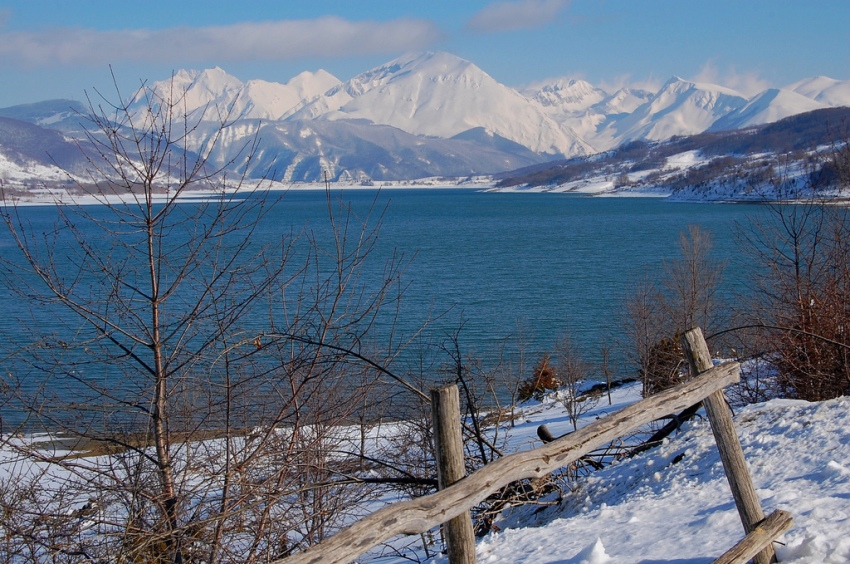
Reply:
x=61, y=48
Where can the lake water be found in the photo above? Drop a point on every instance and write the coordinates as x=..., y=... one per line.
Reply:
x=543, y=262
x=503, y=263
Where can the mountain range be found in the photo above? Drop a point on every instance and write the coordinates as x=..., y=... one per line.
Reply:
x=420, y=115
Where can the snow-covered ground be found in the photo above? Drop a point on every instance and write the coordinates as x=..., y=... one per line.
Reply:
x=14, y=174
x=672, y=504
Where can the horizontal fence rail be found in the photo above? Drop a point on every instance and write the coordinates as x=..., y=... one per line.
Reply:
x=421, y=514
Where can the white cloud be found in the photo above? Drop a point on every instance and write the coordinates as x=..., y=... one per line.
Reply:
x=747, y=83
x=278, y=40
x=522, y=14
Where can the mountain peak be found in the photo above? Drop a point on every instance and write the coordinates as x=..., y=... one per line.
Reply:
x=439, y=94
x=675, y=79
x=310, y=79
x=568, y=94
x=215, y=80
x=681, y=107
x=824, y=89
x=431, y=63
x=185, y=76
x=680, y=85
x=769, y=106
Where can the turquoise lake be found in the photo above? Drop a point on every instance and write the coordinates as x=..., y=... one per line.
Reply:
x=544, y=262
x=500, y=263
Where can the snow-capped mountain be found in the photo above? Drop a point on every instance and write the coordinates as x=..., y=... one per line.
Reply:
x=771, y=105
x=567, y=95
x=438, y=114
x=824, y=89
x=273, y=101
x=441, y=95
x=679, y=108
x=216, y=93
x=569, y=102
x=587, y=110
x=623, y=101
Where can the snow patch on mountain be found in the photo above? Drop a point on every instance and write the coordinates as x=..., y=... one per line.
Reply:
x=20, y=173
x=588, y=110
x=623, y=101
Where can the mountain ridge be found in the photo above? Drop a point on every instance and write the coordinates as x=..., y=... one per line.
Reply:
x=446, y=99
x=727, y=165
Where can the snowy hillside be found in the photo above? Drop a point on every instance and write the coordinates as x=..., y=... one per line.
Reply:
x=672, y=504
x=669, y=504
x=623, y=101
x=29, y=152
x=724, y=165
x=359, y=152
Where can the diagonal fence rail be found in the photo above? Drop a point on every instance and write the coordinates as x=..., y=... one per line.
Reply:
x=421, y=514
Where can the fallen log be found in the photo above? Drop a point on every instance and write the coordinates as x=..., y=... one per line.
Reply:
x=671, y=427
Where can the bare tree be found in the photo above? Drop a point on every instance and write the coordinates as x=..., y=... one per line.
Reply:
x=211, y=370
x=691, y=282
x=644, y=328
x=506, y=376
x=685, y=297
x=543, y=380
x=799, y=314
x=605, y=368
x=572, y=372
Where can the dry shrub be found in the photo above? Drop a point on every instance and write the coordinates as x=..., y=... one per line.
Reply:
x=665, y=366
x=544, y=379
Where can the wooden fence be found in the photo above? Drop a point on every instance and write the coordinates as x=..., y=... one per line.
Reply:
x=456, y=498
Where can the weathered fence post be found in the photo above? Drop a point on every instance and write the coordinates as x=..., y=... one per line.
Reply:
x=731, y=453
x=448, y=448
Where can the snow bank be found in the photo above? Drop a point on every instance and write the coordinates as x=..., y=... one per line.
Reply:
x=673, y=504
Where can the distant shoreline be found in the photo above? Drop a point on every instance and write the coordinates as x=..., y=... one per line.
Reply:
x=588, y=188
